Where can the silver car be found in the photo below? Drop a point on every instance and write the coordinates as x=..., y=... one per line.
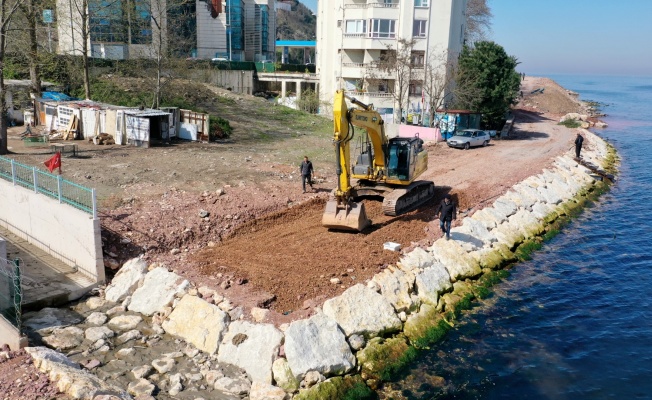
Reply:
x=468, y=138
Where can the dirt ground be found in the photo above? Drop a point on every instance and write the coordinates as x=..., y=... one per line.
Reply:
x=231, y=215
x=19, y=378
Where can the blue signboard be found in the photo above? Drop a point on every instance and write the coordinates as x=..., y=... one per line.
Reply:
x=47, y=16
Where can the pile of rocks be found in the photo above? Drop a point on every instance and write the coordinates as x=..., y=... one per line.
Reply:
x=151, y=334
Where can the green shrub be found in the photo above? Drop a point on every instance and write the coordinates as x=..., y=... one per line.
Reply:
x=219, y=128
x=571, y=123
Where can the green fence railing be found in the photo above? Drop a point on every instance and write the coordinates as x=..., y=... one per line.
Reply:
x=11, y=293
x=51, y=185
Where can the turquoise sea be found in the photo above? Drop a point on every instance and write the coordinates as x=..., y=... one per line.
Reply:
x=575, y=322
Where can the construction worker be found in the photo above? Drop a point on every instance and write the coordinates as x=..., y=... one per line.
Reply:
x=447, y=213
x=579, y=139
x=306, y=173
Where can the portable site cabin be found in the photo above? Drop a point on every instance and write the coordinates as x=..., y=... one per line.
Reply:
x=127, y=125
x=141, y=127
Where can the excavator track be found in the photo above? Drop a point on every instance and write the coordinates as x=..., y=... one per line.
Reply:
x=403, y=200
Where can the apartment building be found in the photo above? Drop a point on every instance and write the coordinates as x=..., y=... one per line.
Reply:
x=238, y=30
x=354, y=36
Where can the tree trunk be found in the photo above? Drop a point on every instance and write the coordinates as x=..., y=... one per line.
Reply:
x=34, y=71
x=3, y=118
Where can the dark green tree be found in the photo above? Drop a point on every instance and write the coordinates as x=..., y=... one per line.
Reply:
x=488, y=70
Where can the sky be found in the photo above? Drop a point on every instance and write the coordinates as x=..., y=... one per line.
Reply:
x=593, y=37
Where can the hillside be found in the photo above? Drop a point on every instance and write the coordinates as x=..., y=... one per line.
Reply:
x=299, y=24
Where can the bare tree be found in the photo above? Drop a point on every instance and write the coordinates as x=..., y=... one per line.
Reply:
x=438, y=81
x=30, y=10
x=75, y=33
x=7, y=10
x=397, y=64
x=478, y=20
x=169, y=17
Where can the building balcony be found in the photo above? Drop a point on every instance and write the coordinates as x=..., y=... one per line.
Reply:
x=369, y=95
x=371, y=4
x=361, y=41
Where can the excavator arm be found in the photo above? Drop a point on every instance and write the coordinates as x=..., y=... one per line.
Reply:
x=343, y=212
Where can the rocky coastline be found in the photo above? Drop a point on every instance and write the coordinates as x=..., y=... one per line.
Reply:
x=150, y=333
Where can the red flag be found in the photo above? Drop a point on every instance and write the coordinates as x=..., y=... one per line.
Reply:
x=54, y=162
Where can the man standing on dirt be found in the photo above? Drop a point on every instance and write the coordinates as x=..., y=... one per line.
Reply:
x=306, y=173
x=447, y=213
x=578, y=144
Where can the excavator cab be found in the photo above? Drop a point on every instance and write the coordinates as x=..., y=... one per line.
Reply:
x=403, y=157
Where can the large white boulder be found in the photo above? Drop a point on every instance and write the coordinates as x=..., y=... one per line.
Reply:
x=197, y=322
x=126, y=280
x=474, y=232
x=69, y=378
x=264, y=391
x=455, y=258
x=252, y=347
x=317, y=344
x=48, y=319
x=360, y=310
x=397, y=287
x=416, y=259
x=158, y=290
x=432, y=282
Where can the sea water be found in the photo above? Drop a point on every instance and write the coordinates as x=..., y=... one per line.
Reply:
x=575, y=322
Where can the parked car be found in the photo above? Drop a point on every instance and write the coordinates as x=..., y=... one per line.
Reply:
x=468, y=138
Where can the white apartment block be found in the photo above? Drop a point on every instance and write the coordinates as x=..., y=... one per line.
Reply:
x=243, y=30
x=352, y=35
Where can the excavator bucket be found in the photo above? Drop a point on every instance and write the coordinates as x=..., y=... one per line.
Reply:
x=351, y=217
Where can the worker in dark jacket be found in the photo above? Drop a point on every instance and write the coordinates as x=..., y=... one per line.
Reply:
x=306, y=173
x=578, y=144
x=447, y=213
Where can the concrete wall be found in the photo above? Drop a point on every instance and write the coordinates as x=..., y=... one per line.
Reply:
x=237, y=81
x=10, y=336
x=431, y=134
x=62, y=231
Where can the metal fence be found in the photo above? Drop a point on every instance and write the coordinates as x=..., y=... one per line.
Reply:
x=51, y=185
x=11, y=294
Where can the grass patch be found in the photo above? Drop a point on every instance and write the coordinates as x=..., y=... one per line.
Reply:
x=571, y=123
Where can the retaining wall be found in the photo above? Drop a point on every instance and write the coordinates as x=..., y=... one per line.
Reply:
x=64, y=232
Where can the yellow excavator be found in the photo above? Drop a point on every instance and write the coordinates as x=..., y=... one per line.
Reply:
x=384, y=167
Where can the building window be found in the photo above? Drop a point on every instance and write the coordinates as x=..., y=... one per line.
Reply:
x=421, y=3
x=383, y=28
x=356, y=26
x=141, y=25
x=383, y=86
x=417, y=58
x=416, y=88
x=106, y=22
x=419, y=28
